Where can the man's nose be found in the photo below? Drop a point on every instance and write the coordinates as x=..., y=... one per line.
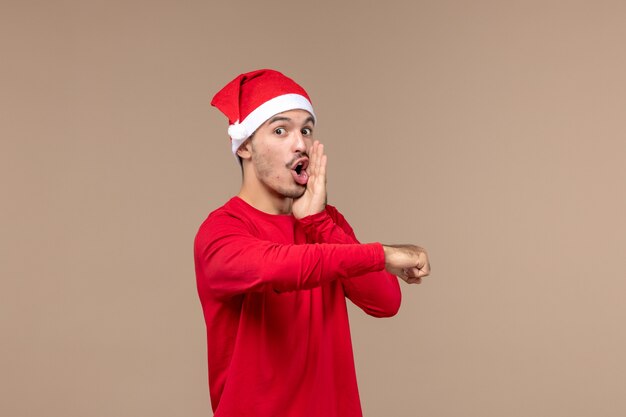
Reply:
x=300, y=143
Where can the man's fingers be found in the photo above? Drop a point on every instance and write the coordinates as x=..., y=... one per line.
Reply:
x=417, y=272
x=422, y=272
x=317, y=163
x=313, y=160
x=322, y=172
x=409, y=278
x=311, y=168
x=320, y=153
x=423, y=264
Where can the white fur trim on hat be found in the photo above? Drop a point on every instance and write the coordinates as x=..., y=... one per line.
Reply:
x=239, y=132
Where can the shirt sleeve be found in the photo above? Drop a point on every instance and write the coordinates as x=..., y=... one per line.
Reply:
x=375, y=292
x=229, y=260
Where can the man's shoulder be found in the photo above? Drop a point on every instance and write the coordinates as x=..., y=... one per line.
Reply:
x=227, y=214
x=225, y=209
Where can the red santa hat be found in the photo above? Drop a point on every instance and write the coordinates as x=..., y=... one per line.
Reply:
x=252, y=98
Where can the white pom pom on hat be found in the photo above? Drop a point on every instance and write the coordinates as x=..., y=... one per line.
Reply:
x=252, y=98
x=238, y=132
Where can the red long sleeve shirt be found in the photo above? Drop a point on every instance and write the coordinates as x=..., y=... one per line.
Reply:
x=273, y=292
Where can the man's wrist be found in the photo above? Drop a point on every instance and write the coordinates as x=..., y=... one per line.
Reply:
x=313, y=218
x=388, y=251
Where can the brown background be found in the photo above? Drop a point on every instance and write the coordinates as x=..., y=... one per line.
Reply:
x=490, y=132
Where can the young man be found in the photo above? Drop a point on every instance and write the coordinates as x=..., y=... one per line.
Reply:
x=275, y=264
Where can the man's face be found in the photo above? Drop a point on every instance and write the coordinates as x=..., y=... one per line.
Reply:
x=279, y=152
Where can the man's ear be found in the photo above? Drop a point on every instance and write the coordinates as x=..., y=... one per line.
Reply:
x=244, y=151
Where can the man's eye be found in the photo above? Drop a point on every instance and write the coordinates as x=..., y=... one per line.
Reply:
x=279, y=130
x=307, y=131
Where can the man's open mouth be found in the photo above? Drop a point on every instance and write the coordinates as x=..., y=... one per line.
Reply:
x=298, y=169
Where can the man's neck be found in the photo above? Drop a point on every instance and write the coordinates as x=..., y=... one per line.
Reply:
x=265, y=201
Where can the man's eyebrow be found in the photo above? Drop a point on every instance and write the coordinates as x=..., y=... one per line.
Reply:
x=309, y=119
x=278, y=118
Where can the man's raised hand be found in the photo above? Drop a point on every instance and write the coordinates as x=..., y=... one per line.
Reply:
x=314, y=198
x=409, y=262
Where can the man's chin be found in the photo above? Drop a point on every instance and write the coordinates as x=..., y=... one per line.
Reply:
x=297, y=192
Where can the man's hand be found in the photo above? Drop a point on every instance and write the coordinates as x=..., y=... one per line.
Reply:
x=314, y=198
x=409, y=262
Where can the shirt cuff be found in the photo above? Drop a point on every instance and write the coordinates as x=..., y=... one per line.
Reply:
x=379, y=254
